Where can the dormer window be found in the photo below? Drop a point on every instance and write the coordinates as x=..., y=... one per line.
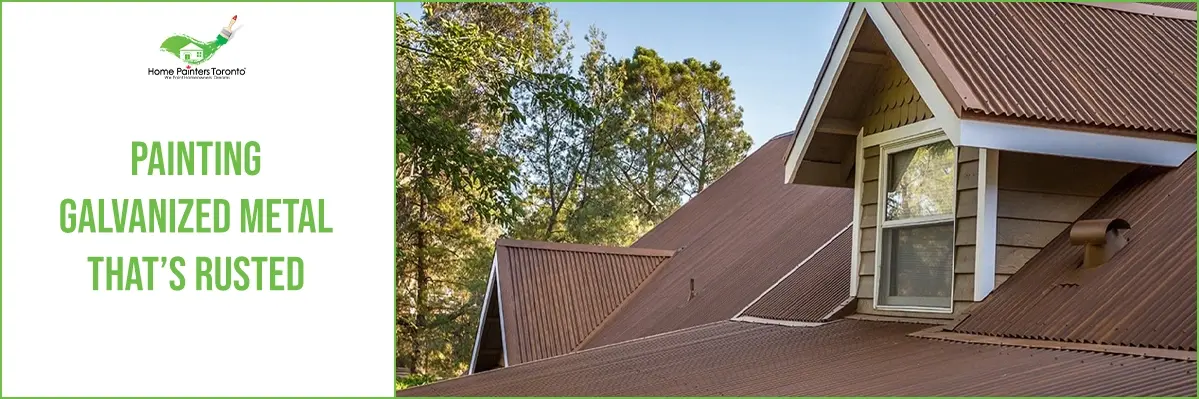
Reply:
x=950, y=201
x=916, y=232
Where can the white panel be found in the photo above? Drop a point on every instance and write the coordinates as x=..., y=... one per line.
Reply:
x=474, y=356
x=1069, y=143
x=986, y=223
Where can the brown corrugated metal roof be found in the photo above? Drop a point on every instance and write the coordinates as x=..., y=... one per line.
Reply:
x=736, y=239
x=1064, y=63
x=816, y=289
x=552, y=295
x=845, y=358
x=1144, y=296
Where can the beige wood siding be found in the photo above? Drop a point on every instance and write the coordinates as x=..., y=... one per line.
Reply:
x=1040, y=196
x=893, y=101
x=869, y=215
x=964, y=229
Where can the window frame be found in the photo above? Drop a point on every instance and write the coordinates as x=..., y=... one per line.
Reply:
x=886, y=150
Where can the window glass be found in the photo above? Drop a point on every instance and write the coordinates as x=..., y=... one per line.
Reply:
x=920, y=182
x=919, y=266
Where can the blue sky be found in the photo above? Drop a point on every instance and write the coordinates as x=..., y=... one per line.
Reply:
x=771, y=51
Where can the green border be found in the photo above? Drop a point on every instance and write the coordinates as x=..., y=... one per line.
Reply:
x=2, y=211
x=394, y=160
x=395, y=165
x=392, y=15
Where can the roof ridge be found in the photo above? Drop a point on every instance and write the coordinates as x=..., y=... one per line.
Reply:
x=1146, y=9
x=664, y=333
x=585, y=248
x=718, y=180
x=780, y=322
x=941, y=334
x=779, y=136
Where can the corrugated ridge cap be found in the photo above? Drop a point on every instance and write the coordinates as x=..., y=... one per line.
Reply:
x=594, y=249
x=780, y=136
x=1152, y=9
x=1189, y=6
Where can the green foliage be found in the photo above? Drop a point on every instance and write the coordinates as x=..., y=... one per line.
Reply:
x=502, y=131
x=413, y=380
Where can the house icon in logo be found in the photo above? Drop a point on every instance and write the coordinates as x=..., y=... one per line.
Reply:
x=191, y=53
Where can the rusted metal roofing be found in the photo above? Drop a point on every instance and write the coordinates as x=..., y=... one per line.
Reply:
x=1064, y=63
x=844, y=358
x=735, y=239
x=552, y=295
x=816, y=289
x=1144, y=296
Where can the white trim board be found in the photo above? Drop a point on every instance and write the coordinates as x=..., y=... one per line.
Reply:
x=788, y=323
x=1069, y=143
x=807, y=126
x=855, y=257
x=986, y=223
x=499, y=302
x=908, y=60
x=903, y=132
x=474, y=356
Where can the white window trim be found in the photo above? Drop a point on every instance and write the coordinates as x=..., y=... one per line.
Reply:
x=885, y=151
x=898, y=135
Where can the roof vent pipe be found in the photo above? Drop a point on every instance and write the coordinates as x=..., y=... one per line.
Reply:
x=1101, y=239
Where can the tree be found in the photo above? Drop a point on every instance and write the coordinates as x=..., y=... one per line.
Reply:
x=603, y=211
x=551, y=144
x=686, y=131
x=501, y=132
x=645, y=166
x=454, y=87
x=570, y=192
x=710, y=139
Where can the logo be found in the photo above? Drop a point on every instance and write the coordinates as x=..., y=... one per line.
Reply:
x=194, y=52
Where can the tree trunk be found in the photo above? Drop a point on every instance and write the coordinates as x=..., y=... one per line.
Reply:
x=422, y=286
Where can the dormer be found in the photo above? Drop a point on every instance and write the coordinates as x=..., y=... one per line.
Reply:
x=970, y=146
